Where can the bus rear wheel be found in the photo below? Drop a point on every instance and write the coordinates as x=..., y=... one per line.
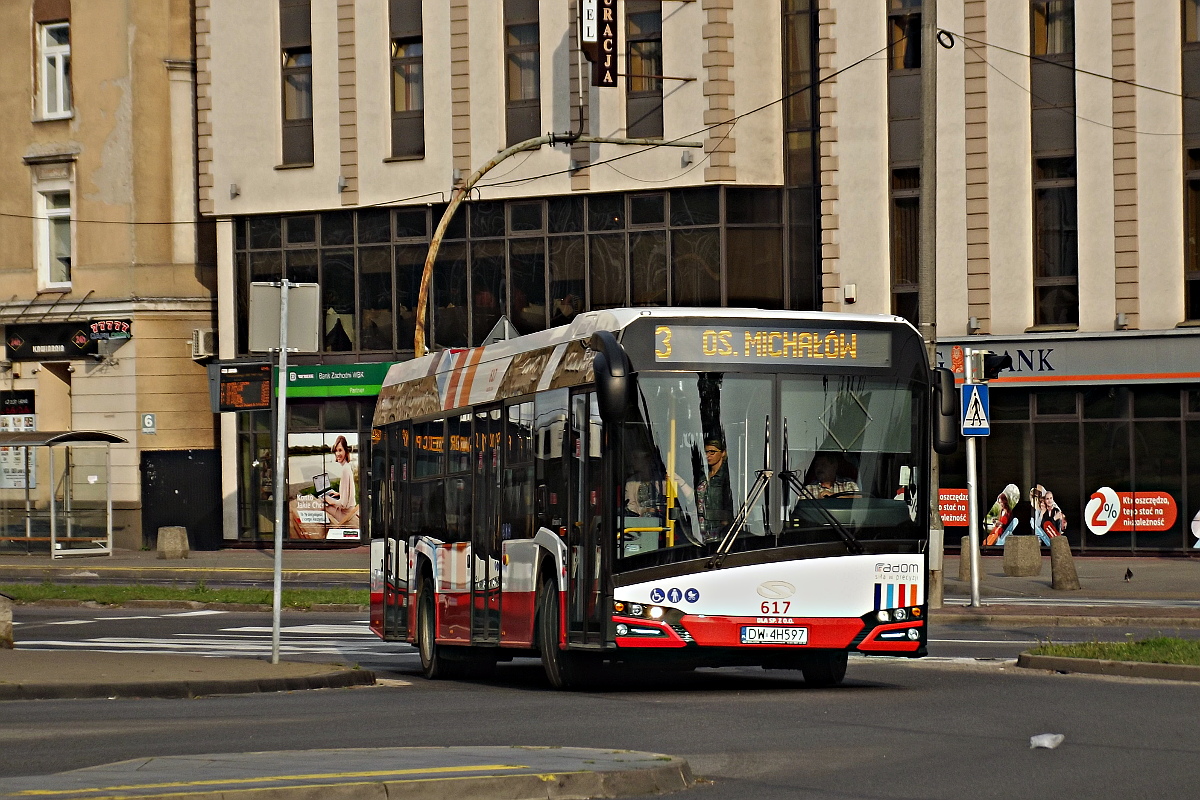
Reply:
x=824, y=669
x=433, y=660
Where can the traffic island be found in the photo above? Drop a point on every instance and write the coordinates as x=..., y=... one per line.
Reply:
x=423, y=773
x=1123, y=669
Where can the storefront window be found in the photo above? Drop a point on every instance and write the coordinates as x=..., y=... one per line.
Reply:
x=1106, y=464
x=324, y=501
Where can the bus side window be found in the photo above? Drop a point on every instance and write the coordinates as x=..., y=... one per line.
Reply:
x=517, y=513
x=427, y=503
x=550, y=414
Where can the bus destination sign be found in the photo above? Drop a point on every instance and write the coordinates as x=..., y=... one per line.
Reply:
x=245, y=387
x=692, y=344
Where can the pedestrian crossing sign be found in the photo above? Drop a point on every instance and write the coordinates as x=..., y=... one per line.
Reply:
x=975, y=417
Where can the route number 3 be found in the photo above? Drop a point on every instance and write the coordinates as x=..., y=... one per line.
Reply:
x=662, y=342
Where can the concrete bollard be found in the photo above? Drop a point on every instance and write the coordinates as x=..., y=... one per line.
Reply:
x=172, y=542
x=1062, y=565
x=1022, y=556
x=964, y=560
x=6, y=634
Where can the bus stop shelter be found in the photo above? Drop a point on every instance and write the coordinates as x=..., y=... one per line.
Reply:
x=64, y=504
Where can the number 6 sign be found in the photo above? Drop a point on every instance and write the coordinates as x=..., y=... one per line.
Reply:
x=1103, y=511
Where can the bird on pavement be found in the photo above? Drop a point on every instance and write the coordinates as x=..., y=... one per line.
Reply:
x=1128, y=575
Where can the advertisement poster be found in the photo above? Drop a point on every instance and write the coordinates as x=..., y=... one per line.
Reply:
x=323, y=486
x=1108, y=510
x=1010, y=511
x=16, y=414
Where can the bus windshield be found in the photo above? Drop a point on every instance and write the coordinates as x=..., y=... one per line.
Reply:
x=820, y=457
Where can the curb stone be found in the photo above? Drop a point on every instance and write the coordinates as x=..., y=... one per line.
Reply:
x=1124, y=669
x=172, y=690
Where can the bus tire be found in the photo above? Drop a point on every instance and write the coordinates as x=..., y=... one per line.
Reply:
x=824, y=669
x=433, y=659
x=563, y=667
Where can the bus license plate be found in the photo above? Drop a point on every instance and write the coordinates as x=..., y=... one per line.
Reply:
x=772, y=635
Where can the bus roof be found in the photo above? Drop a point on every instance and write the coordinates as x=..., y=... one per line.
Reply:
x=432, y=375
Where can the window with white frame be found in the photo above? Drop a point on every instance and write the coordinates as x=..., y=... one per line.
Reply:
x=54, y=238
x=55, y=78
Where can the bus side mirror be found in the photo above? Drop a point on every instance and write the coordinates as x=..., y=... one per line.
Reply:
x=616, y=382
x=945, y=412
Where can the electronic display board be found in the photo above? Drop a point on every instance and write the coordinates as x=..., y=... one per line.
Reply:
x=244, y=387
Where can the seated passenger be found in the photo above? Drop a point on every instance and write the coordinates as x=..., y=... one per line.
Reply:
x=822, y=479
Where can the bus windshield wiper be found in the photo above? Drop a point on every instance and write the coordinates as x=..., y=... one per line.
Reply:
x=852, y=543
x=760, y=484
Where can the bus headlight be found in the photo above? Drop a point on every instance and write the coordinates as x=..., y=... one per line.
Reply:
x=622, y=629
x=883, y=616
x=914, y=634
x=655, y=612
x=900, y=614
x=635, y=609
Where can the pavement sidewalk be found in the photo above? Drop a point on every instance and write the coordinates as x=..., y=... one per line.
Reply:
x=53, y=674
x=416, y=773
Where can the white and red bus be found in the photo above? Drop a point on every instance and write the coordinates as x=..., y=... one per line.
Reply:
x=660, y=486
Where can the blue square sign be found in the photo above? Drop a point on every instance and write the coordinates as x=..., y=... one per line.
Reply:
x=975, y=416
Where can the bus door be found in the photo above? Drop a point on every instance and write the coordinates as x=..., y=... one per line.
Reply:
x=390, y=502
x=485, y=532
x=587, y=569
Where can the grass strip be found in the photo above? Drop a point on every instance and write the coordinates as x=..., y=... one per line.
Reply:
x=201, y=593
x=1159, y=650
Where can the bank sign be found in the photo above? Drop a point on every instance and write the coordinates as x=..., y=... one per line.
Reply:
x=1084, y=359
x=337, y=380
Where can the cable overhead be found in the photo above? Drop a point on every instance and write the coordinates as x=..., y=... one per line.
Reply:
x=1069, y=110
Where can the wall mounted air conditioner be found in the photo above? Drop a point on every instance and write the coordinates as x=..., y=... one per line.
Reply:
x=204, y=343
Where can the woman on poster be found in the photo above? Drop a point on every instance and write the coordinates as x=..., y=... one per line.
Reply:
x=999, y=518
x=342, y=505
x=1049, y=520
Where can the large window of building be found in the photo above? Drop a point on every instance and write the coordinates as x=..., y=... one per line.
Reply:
x=644, y=62
x=295, y=40
x=801, y=154
x=1055, y=222
x=1061, y=446
x=1056, y=242
x=538, y=262
x=906, y=236
x=522, y=70
x=904, y=34
x=54, y=239
x=408, y=80
x=54, y=74
x=904, y=153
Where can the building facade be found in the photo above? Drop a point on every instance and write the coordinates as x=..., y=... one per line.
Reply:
x=105, y=272
x=330, y=136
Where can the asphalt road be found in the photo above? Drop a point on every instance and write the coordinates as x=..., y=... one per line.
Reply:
x=942, y=727
x=893, y=730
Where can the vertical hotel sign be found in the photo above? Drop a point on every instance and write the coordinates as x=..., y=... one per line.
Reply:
x=598, y=39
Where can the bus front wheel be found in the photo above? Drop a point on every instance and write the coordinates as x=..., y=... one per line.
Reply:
x=564, y=668
x=433, y=661
x=824, y=669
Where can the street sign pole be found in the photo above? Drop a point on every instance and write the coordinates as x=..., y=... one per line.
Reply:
x=972, y=490
x=280, y=482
